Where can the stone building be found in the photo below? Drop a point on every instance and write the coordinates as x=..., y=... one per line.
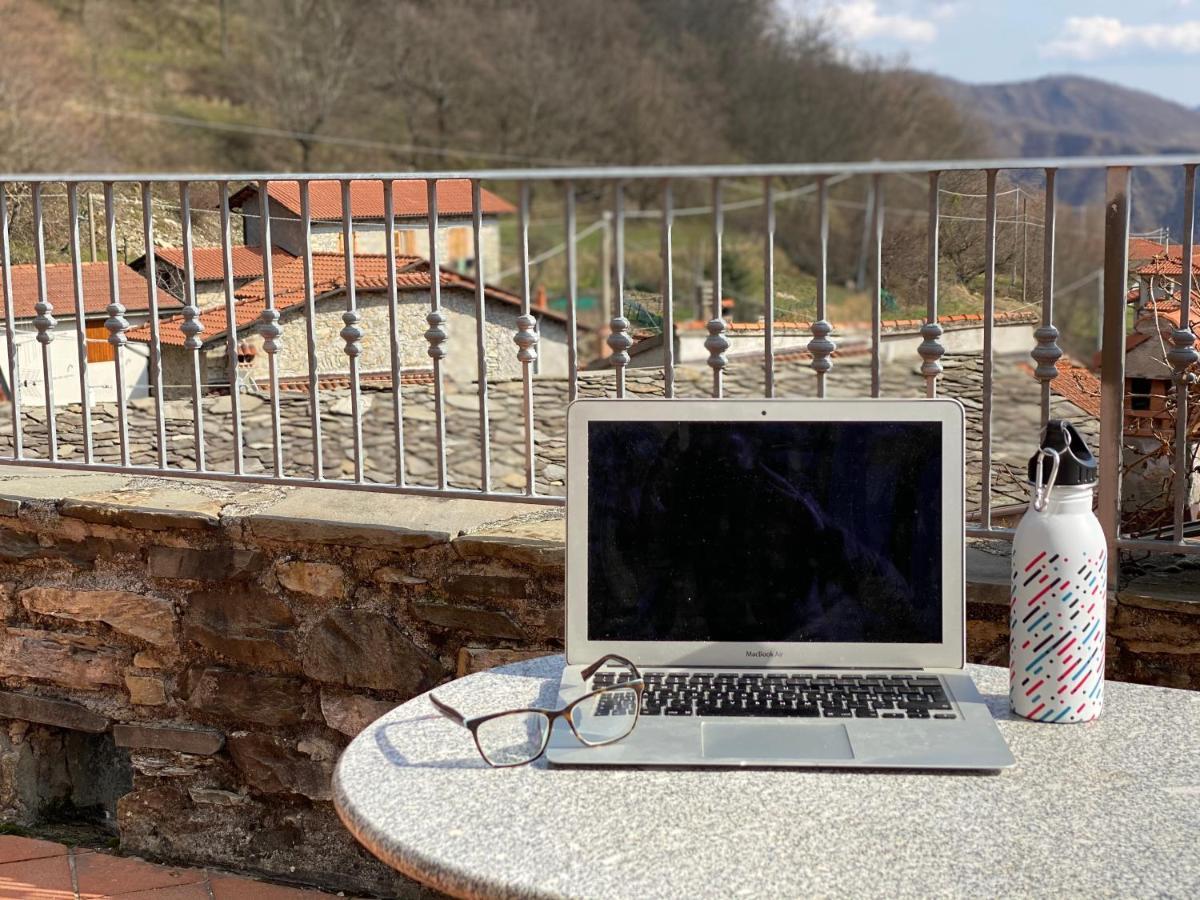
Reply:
x=456, y=245
x=208, y=270
x=330, y=302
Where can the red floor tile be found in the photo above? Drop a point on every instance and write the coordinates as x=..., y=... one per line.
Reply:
x=36, y=879
x=182, y=892
x=229, y=887
x=100, y=875
x=13, y=848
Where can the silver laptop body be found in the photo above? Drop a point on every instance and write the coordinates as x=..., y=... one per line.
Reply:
x=788, y=576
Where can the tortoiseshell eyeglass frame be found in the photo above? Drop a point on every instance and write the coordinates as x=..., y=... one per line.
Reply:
x=636, y=684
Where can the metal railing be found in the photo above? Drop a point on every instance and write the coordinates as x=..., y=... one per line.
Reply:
x=1045, y=351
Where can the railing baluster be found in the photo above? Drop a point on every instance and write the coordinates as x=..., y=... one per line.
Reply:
x=231, y=335
x=44, y=322
x=351, y=333
x=389, y=227
x=481, y=367
x=116, y=323
x=10, y=330
x=1112, y=362
x=572, y=293
x=526, y=339
x=269, y=327
x=619, y=340
x=191, y=326
x=436, y=335
x=310, y=332
x=668, y=290
x=81, y=347
x=989, y=315
x=930, y=350
x=1183, y=356
x=821, y=347
x=769, y=286
x=716, y=343
x=877, y=304
x=156, y=376
x=1047, y=353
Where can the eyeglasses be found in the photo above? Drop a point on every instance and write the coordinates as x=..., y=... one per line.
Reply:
x=602, y=716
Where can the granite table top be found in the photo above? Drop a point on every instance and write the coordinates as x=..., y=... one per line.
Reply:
x=1108, y=808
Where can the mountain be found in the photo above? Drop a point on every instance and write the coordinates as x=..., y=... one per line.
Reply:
x=1072, y=116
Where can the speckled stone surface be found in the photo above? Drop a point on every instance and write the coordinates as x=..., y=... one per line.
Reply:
x=1110, y=808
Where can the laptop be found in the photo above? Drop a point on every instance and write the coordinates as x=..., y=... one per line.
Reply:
x=786, y=574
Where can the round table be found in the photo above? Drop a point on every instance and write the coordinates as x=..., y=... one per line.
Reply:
x=1107, y=808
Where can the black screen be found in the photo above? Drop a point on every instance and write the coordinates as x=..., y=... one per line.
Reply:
x=764, y=531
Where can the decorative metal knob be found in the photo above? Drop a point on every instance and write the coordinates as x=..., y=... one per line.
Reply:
x=716, y=344
x=116, y=323
x=930, y=350
x=44, y=322
x=269, y=328
x=436, y=335
x=352, y=334
x=526, y=338
x=619, y=341
x=1182, y=356
x=1047, y=353
x=821, y=347
x=191, y=328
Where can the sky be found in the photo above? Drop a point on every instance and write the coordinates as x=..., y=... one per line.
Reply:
x=1152, y=45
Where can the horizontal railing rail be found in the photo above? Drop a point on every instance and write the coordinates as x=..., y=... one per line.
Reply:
x=265, y=315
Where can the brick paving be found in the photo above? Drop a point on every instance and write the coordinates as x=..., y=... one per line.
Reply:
x=32, y=869
x=1015, y=423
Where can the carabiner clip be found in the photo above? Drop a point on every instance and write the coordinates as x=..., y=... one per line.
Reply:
x=1041, y=492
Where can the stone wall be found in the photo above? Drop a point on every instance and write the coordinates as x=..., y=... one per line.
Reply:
x=1153, y=617
x=228, y=645
x=460, y=362
x=193, y=657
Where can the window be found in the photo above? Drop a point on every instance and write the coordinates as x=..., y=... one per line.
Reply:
x=98, y=347
x=405, y=242
x=459, y=243
x=1139, y=393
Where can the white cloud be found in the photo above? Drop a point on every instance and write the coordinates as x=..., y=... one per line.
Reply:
x=1095, y=37
x=861, y=20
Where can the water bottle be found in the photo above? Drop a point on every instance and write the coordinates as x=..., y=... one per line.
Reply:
x=1059, y=559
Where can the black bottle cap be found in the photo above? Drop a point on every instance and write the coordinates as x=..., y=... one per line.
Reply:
x=1076, y=465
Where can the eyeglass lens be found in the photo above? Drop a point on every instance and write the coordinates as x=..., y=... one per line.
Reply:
x=513, y=738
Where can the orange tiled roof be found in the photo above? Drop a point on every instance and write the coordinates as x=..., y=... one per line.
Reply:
x=1168, y=308
x=1167, y=265
x=60, y=290
x=410, y=199
x=1077, y=384
x=208, y=264
x=1142, y=248
x=329, y=276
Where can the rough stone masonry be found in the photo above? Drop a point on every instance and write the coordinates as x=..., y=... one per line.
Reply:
x=193, y=657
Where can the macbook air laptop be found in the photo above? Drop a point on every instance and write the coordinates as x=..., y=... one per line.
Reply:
x=786, y=574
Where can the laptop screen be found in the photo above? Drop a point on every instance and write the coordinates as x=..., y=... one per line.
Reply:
x=765, y=531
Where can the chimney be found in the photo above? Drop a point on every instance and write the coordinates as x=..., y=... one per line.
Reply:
x=539, y=300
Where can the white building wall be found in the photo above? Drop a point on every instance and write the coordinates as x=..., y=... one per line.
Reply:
x=64, y=368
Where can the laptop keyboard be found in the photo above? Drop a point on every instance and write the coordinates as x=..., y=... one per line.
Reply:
x=785, y=695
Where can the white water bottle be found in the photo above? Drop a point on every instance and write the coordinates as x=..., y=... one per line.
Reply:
x=1059, y=560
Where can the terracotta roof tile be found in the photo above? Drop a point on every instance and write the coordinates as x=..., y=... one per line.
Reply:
x=410, y=199
x=1141, y=248
x=1167, y=265
x=1078, y=385
x=60, y=290
x=208, y=264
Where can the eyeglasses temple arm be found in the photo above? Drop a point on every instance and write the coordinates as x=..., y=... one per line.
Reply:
x=592, y=669
x=448, y=711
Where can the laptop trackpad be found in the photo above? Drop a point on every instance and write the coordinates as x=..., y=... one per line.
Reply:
x=774, y=740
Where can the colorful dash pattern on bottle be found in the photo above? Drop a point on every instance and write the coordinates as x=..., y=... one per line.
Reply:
x=1056, y=637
